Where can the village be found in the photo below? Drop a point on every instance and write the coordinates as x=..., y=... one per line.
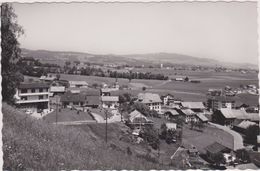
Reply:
x=201, y=134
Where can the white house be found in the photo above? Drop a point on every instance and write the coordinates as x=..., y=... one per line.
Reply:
x=153, y=101
x=110, y=102
x=33, y=96
x=78, y=84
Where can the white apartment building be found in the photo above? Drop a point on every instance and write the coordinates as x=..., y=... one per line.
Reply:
x=32, y=96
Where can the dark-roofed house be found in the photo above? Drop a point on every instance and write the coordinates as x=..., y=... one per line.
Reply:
x=153, y=101
x=214, y=149
x=85, y=99
x=33, y=96
x=224, y=116
x=170, y=113
x=242, y=126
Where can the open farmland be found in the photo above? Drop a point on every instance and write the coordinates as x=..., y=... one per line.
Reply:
x=184, y=90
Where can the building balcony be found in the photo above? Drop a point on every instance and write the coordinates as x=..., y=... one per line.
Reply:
x=31, y=101
x=34, y=94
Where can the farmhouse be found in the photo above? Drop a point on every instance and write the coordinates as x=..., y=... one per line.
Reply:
x=107, y=91
x=153, y=101
x=86, y=99
x=218, y=102
x=224, y=116
x=33, y=96
x=201, y=118
x=194, y=106
x=215, y=149
x=135, y=117
x=170, y=113
x=188, y=114
x=242, y=126
x=167, y=99
x=110, y=102
x=78, y=84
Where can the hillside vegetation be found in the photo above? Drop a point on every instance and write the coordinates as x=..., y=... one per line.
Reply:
x=35, y=144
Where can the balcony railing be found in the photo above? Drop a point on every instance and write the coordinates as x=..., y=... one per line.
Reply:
x=34, y=94
x=32, y=101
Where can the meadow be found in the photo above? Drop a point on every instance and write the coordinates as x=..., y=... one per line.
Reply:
x=184, y=90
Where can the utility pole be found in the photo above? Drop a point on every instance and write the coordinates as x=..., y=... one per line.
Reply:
x=106, y=125
x=56, y=109
x=158, y=146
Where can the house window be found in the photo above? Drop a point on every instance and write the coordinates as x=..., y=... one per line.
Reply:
x=24, y=91
x=40, y=97
x=24, y=98
x=40, y=90
x=33, y=90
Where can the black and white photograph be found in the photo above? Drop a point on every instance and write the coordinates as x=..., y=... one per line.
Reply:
x=170, y=85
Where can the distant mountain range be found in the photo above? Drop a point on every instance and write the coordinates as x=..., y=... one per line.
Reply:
x=59, y=57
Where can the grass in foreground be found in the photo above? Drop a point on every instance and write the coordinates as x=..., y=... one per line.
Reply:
x=34, y=144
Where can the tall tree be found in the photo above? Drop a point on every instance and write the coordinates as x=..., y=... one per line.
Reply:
x=10, y=52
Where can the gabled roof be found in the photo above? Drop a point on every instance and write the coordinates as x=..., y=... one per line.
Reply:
x=193, y=105
x=136, y=114
x=171, y=111
x=33, y=85
x=239, y=114
x=202, y=117
x=215, y=148
x=245, y=124
x=149, y=98
x=57, y=89
x=187, y=112
x=109, y=98
x=227, y=113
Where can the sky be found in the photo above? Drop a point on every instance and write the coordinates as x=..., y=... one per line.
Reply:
x=216, y=30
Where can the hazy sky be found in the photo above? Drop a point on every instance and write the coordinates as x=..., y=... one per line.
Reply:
x=219, y=30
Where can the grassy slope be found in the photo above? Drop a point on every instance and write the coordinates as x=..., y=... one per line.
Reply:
x=35, y=144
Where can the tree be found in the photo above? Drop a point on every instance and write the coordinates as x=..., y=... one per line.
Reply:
x=251, y=134
x=58, y=76
x=150, y=135
x=10, y=30
x=186, y=79
x=144, y=88
x=218, y=158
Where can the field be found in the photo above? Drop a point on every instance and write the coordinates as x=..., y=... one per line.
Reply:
x=184, y=90
x=209, y=135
